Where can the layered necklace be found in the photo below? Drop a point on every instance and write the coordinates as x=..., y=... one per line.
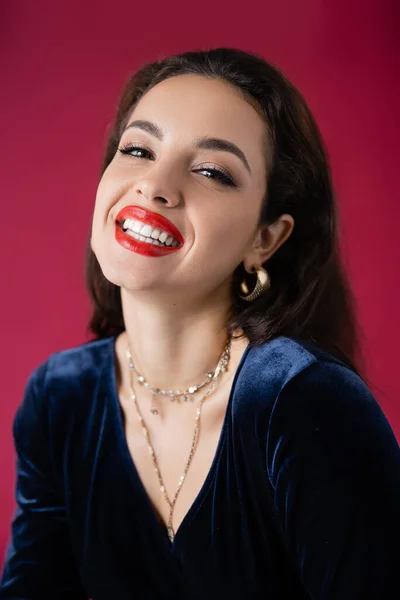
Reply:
x=212, y=378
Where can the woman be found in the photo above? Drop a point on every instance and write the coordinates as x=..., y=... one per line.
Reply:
x=216, y=439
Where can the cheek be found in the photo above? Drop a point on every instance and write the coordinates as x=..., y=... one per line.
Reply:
x=98, y=213
x=107, y=194
x=105, y=189
x=228, y=237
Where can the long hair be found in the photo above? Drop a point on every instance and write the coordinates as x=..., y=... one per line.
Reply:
x=310, y=296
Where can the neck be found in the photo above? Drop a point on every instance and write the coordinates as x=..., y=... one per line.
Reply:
x=173, y=346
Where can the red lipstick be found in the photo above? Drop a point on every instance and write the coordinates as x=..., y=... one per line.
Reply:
x=150, y=218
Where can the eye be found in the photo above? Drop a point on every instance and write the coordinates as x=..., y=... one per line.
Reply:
x=221, y=175
x=135, y=151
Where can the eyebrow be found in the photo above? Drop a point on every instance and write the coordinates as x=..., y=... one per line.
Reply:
x=203, y=142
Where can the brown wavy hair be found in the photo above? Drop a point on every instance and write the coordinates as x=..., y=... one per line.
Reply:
x=310, y=296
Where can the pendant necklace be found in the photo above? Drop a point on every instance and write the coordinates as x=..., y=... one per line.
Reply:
x=221, y=367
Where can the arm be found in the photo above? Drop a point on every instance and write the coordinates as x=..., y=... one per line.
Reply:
x=39, y=562
x=334, y=464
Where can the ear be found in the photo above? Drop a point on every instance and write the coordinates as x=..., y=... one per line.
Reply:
x=267, y=240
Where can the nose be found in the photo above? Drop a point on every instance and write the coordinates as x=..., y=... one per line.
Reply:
x=158, y=185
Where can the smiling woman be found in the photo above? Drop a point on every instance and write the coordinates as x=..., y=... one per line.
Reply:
x=216, y=438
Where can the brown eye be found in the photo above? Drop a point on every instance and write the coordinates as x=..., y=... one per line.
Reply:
x=135, y=151
x=218, y=174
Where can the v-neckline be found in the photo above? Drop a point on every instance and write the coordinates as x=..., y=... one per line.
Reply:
x=131, y=469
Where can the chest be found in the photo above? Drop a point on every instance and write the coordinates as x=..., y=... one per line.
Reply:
x=174, y=450
x=228, y=540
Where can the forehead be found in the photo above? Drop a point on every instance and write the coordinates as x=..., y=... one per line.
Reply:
x=188, y=106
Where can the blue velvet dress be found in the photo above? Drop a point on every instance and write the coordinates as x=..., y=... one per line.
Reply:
x=302, y=500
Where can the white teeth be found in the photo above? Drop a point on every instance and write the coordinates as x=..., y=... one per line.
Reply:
x=137, y=236
x=149, y=240
x=146, y=230
x=148, y=233
x=155, y=234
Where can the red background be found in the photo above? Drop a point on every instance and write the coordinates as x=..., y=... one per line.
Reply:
x=63, y=64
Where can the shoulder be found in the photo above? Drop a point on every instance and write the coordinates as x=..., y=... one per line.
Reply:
x=72, y=370
x=323, y=408
x=333, y=464
x=308, y=380
x=270, y=367
x=62, y=382
x=296, y=389
x=312, y=378
x=286, y=362
x=75, y=365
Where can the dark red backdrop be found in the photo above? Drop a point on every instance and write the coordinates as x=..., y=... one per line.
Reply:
x=62, y=67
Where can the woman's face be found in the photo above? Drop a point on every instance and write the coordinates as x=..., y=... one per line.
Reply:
x=193, y=152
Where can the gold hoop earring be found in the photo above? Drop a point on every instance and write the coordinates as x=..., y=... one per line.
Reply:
x=262, y=285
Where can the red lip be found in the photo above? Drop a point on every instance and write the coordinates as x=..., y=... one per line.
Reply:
x=154, y=219
x=139, y=247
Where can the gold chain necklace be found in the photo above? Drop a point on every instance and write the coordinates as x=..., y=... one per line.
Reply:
x=174, y=395
x=221, y=367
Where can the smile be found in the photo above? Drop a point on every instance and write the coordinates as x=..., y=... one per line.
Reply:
x=146, y=233
x=145, y=245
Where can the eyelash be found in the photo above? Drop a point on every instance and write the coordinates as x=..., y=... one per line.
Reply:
x=219, y=174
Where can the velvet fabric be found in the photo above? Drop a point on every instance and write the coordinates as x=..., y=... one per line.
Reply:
x=301, y=502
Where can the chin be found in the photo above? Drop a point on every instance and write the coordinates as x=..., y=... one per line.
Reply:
x=127, y=277
x=124, y=269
